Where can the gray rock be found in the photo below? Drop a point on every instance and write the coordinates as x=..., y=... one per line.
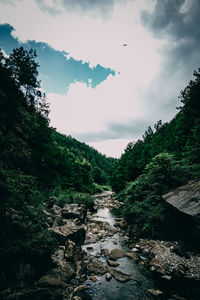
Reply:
x=133, y=256
x=69, y=231
x=97, y=267
x=74, y=211
x=166, y=277
x=112, y=263
x=119, y=275
x=105, y=252
x=117, y=253
x=108, y=276
x=110, y=228
x=80, y=288
x=186, y=198
x=155, y=292
x=50, y=280
x=56, y=210
x=77, y=298
x=69, y=249
x=93, y=278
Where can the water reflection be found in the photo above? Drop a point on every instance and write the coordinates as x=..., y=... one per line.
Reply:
x=136, y=288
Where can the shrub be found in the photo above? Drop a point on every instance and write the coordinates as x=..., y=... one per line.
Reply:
x=144, y=207
x=70, y=196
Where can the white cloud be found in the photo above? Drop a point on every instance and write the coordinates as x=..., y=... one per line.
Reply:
x=85, y=109
x=90, y=39
x=112, y=148
x=97, y=41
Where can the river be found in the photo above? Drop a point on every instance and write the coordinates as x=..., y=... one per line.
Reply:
x=104, y=289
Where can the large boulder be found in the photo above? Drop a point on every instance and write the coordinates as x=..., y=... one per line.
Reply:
x=65, y=270
x=186, y=198
x=169, y=258
x=69, y=231
x=73, y=210
x=50, y=280
x=119, y=275
x=117, y=253
x=96, y=267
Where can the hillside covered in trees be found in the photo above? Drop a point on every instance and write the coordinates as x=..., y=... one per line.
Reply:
x=36, y=162
x=167, y=156
x=41, y=168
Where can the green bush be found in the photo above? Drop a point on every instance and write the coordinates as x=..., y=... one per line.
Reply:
x=97, y=188
x=66, y=197
x=144, y=207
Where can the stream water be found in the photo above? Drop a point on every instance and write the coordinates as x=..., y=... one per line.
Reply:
x=103, y=289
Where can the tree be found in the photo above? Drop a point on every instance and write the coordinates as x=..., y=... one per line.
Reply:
x=99, y=176
x=24, y=69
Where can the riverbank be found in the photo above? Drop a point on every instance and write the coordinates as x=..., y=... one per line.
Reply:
x=175, y=271
x=95, y=259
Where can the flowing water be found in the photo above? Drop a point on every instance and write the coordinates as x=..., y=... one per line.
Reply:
x=103, y=289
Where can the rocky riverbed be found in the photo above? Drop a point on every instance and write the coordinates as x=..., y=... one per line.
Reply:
x=95, y=259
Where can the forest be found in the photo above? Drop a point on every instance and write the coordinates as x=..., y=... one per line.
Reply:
x=39, y=164
x=167, y=156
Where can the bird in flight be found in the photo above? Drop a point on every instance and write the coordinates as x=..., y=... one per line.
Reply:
x=124, y=45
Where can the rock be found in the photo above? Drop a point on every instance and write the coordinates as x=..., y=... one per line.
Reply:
x=165, y=262
x=110, y=228
x=50, y=280
x=185, y=198
x=69, y=231
x=123, y=224
x=77, y=298
x=89, y=247
x=69, y=249
x=108, y=276
x=119, y=275
x=105, y=252
x=74, y=211
x=117, y=253
x=178, y=297
x=112, y=263
x=97, y=267
x=80, y=288
x=56, y=210
x=133, y=256
x=155, y=292
x=58, y=221
x=93, y=278
x=135, y=249
x=167, y=277
x=64, y=269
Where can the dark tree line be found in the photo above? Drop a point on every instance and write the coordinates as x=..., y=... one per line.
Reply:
x=166, y=157
x=180, y=137
x=35, y=163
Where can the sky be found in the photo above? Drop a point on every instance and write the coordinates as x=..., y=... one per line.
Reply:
x=109, y=68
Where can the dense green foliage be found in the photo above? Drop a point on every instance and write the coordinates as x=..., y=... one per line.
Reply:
x=144, y=207
x=181, y=137
x=66, y=197
x=35, y=163
x=166, y=157
x=99, y=163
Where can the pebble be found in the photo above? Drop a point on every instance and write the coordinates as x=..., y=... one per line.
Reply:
x=108, y=276
x=135, y=249
x=80, y=288
x=93, y=278
x=89, y=247
x=155, y=292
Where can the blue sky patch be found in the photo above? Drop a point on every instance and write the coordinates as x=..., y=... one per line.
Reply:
x=56, y=71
